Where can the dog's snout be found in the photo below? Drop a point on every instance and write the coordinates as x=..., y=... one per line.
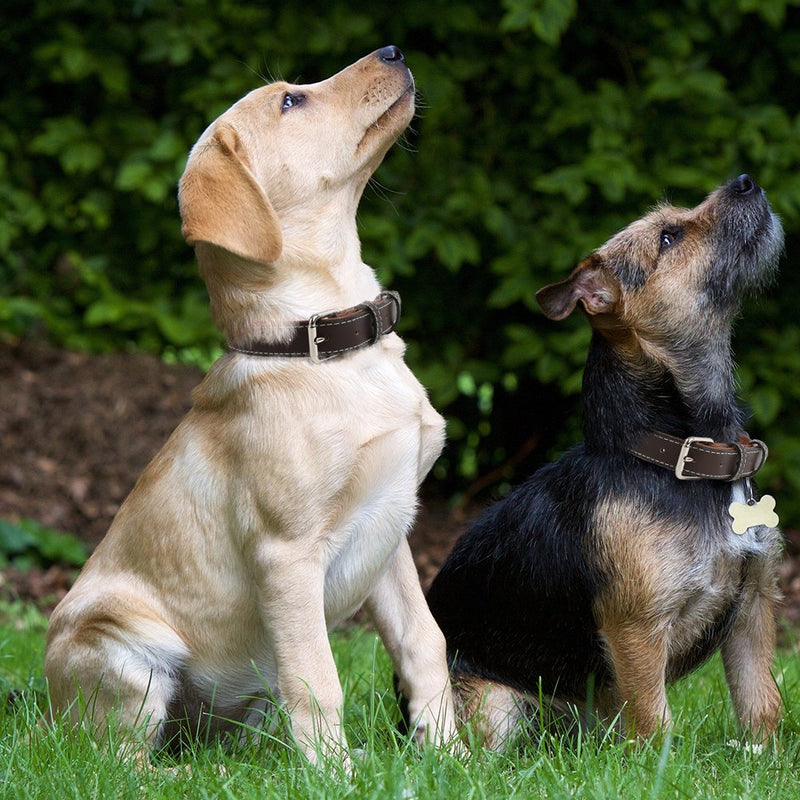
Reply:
x=744, y=185
x=391, y=55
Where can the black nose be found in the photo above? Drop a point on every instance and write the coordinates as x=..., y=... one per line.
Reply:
x=744, y=184
x=391, y=55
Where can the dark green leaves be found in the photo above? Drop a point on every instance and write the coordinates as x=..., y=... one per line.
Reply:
x=543, y=127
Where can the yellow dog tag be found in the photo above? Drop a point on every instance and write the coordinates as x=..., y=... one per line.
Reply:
x=747, y=515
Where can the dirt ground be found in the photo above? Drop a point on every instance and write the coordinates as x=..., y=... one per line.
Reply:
x=76, y=430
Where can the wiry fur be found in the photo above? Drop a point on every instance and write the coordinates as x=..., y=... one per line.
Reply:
x=282, y=501
x=604, y=577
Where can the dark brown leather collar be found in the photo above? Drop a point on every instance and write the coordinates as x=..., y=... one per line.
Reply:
x=332, y=333
x=697, y=457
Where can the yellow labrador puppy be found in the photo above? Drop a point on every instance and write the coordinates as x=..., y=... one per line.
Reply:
x=282, y=501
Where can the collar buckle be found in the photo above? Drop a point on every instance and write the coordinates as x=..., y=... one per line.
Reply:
x=314, y=341
x=684, y=458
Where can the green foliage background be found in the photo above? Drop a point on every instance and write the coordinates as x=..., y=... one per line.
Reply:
x=544, y=126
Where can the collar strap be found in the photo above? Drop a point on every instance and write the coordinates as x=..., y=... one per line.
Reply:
x=332, y=333
x=697, y=457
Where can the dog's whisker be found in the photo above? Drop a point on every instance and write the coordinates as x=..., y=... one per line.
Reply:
x=404, y=144
x=265, y=77
x=383, y=193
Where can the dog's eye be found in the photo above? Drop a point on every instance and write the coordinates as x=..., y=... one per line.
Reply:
x=292, y=101
x=668, y=238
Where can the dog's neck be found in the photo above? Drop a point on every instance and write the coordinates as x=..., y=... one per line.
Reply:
x=630, y=391
x=257, y=302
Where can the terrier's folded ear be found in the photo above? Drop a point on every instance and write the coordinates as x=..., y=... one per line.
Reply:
x=590, y=282
x=222, y=203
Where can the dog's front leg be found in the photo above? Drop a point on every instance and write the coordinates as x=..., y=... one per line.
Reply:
x=417, y=648
x=308, y=683
x=747, y=656
x=638, y=658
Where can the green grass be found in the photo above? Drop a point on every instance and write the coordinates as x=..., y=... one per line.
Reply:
x=697, y=762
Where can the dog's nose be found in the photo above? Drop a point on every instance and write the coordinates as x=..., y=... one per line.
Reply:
x=744, y=184
x=391, y=55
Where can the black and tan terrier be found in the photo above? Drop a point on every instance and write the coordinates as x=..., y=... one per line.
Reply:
x=617, y=569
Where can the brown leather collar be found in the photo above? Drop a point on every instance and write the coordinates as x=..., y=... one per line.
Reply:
x=697, y=457
x=332, y=333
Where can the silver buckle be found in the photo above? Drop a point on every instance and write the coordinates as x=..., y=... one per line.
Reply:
x=315, y=341
x=684, y=458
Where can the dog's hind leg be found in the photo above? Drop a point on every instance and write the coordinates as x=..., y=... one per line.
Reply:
x=112, y=690
x=494, y=712
x=747, y=656
x=416, y=646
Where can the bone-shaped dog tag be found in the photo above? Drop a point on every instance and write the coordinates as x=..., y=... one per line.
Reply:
x=747, y=515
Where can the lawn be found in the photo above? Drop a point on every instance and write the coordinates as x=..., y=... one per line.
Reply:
x=704, y=757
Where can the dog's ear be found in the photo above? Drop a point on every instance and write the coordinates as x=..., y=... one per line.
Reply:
x=590, y=283
x=222, y=203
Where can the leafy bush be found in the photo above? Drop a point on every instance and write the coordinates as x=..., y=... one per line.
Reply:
x=27, y=543
x=544, y=127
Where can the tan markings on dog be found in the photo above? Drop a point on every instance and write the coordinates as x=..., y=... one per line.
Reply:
x=634, y=550
x=282, y=501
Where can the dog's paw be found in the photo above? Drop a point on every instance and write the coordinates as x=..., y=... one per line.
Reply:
x=422, y=732
x=439, y=733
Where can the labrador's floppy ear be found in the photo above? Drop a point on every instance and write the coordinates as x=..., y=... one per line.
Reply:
x=222, y=203
x=590, y=282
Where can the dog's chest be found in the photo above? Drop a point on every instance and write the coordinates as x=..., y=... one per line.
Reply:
x=712, y=584
x=399, y=437
x=688, y=572
x=361, y=546
x=331, y=458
